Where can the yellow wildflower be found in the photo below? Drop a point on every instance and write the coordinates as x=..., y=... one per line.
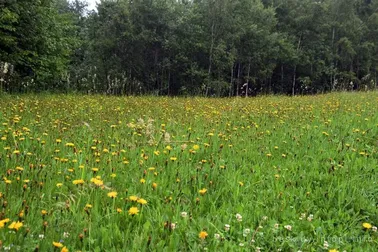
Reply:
x=202, y=235
x=202, y=191
x=112, y=194
x=2, y=222
x=78, y=182
x=58, y=244
x=133, y=198
x=97, y=182
x=142, y=201
x=133, y=211
x=15, y=225
x=367, y=225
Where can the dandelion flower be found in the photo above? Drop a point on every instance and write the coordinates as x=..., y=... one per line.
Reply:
x=202, y=191
x=112, y=194
x=133, y=211
x=142, y=201
x=97, y=182
x=202, y=235
x=64, y=249
x=58, y=244
x=367, y=225
x=78, y=182
x=15, y=225
x=2, y=222
x=133, y=198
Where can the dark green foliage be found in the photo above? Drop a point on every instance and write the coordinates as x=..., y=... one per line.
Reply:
x=202, y=47
x=37, y=41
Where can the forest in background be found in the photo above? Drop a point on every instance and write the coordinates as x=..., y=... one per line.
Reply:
x=184, y=47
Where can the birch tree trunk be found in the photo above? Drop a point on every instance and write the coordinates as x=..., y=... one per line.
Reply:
x=248, y=75
x=231, y=79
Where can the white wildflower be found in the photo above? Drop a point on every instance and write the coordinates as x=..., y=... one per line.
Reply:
x=288, y=227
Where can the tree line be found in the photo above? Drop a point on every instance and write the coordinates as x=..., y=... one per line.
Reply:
x=189, y=47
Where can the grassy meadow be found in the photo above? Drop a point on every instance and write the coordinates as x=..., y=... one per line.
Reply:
x=96, y=173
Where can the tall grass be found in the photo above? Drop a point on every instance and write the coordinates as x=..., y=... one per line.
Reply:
x=264, y=173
